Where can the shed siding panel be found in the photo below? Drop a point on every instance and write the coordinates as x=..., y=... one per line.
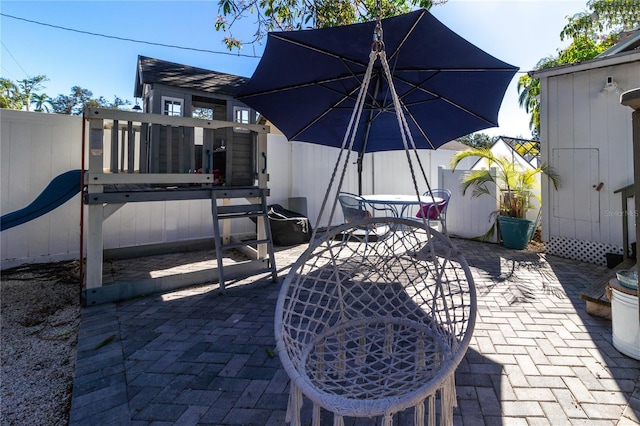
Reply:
x=564, y=131
x=548, y=126
x=600, y=138
x=578, y=113
x=581, y=107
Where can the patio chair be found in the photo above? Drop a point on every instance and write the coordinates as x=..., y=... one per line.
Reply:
x=354, y=208
x=436, y=212
x=365, y=334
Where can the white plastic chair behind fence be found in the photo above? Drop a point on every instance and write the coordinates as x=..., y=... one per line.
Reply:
x=370, y=328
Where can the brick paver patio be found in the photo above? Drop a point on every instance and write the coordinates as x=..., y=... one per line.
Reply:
x=196, y=357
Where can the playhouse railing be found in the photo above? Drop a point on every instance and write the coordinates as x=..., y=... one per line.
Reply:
x=125, y=145
x=135, y=157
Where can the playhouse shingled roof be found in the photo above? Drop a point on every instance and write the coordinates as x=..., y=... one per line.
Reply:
x=156, y=71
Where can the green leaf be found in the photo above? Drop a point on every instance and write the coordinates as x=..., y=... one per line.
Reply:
x=105, y=342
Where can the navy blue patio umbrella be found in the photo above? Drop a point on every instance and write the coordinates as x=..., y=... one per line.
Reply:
x=307, y=81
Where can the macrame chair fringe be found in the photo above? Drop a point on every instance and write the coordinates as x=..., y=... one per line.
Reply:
x=316, y=415
x=294, y=406
x=418, y=414
x=432, y=410
x=387, y=420
x=448, y=400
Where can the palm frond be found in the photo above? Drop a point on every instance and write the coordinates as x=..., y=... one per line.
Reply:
x=481, y=190
x=550, y=173
x=471, y=152
x=477, y=181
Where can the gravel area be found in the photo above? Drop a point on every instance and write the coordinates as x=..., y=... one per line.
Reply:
x=40, y=316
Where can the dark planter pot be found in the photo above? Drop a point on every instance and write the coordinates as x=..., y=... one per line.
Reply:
x=516, y=233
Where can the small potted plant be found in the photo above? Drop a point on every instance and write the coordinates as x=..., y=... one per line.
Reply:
x=515, y=189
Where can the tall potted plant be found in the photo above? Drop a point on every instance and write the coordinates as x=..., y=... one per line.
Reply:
x=515, y=191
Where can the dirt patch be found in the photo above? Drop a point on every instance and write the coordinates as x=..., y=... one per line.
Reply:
x=536, y=245
x=40, y=317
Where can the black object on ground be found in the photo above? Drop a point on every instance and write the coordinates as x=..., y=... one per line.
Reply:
x=288, y=228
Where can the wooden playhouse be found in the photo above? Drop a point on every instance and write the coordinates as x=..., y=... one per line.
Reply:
x=192, y=141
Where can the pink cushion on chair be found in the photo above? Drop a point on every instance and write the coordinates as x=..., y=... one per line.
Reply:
x=432, y=213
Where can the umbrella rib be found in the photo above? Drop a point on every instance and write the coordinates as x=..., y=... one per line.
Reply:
x=334, y=106
x=348, y=63
x=323, y=83
x=408, y=112
x=297, y=86
x=318, y=50
x=440, y=97
x=406, y=37
x=316, y=119
x=420, y=129
x=358, y=77
x=436, y=71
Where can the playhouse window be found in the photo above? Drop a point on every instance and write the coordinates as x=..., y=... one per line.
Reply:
x=203, y=113
x=241, y=115
x=172, y=106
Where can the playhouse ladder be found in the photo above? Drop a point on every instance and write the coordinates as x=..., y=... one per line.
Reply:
x=255, y=207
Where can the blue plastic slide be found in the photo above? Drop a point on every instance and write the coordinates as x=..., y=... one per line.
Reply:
x=60, y=190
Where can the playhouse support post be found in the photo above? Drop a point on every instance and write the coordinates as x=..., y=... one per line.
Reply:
x=93, y=277
x=263, y=178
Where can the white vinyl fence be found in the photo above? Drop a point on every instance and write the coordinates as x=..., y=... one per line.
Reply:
x=36, y=147
x=467, y=217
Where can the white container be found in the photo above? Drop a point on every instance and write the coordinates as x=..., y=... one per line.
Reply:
x=625, y=323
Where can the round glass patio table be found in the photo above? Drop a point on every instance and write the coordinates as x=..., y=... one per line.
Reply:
x=399, y=203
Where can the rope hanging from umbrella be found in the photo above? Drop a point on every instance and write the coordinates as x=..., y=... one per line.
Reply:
x=370, y=327
x=377, y=52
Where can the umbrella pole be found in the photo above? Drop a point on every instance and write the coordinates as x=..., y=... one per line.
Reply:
x=359, y=173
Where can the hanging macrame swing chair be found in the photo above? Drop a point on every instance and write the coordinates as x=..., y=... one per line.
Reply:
x=374, y=326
